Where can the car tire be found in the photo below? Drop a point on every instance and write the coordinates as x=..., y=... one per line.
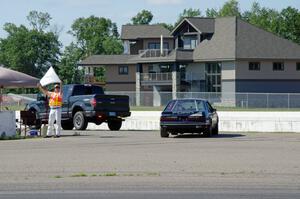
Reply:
x=208, y=132
x=67, y=125
x=114, y=125
x=79, y=121
x=164, y=133
x=216, y=130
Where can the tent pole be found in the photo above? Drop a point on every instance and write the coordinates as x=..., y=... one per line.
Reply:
x=1, y=98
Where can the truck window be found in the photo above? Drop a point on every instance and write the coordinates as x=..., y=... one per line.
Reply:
x=87, y=90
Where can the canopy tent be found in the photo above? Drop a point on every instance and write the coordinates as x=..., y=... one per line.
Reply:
x=14, y=79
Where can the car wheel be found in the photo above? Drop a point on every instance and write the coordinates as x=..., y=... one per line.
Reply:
x=208, y=132
x=216, y=129
x=79, y=121
x=164, y=133
x=67, y=125
x=114, y=125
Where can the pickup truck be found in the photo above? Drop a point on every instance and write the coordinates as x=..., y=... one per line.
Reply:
x=83, y=104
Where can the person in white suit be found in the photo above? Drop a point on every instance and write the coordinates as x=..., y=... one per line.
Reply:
x=55, y=104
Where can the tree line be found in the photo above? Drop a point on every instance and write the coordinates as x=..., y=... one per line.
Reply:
x=35, y=48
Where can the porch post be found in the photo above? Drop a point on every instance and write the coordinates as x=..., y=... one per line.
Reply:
x=174, y=81
x=139, y=69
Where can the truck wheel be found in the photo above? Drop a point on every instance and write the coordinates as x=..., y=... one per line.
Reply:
x=114, y=125
x=38, y=123
x=67, y=125
x=208, y=132
x=164, y=133
x=79, y=121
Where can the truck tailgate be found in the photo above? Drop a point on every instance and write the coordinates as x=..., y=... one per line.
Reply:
x=112, y=103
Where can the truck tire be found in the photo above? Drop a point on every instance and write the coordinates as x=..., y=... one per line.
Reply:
x=38, y=123
x=79, y=121
x=114, y=125
x=67, y=125
x=164, y=133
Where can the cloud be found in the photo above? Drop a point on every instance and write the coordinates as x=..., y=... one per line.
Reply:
x=164, y=2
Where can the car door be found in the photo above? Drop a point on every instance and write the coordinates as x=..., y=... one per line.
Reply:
x=65, y=102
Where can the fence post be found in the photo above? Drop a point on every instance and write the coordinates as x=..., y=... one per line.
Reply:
x=288, y=101
x=267, y=100
x=247, y=100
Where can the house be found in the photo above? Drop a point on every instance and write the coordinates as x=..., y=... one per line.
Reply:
x=218, y=55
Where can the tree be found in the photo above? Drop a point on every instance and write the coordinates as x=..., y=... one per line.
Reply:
x=93, y=35
x=229, y=9
x=143, y=17
x=188, y=13
x=39, y=20
x=31, y=51
x=289, y=21
x=68, y=69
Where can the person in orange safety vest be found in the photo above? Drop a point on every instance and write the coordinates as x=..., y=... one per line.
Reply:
x=55, y=104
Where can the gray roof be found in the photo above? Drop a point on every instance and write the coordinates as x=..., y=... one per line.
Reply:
x=133, y=32
x=203, y=25
x=107, y=60
x=222, y=44
x=254, y=42
x=237, y=39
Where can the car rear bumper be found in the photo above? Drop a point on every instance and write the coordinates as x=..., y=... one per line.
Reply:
x=193, y=127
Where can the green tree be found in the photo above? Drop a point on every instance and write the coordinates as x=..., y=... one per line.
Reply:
x=143, y=17
x=31, y=51
x=68, y=69
x=289, y=24
x=229, y=9
x=93, y=35
x=188, y=13
x=39, y=20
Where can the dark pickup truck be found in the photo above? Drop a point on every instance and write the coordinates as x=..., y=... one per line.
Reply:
x=83, y=104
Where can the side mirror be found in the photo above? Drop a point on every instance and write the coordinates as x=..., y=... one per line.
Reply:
x=40, y=98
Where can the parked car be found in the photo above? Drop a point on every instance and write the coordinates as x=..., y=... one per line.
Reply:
x=83, y=104
x=189, y=116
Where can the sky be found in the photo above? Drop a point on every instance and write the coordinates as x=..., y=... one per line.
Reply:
x=64, y=12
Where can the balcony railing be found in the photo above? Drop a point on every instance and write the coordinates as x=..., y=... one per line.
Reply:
x=147, y=53
x=156, y=76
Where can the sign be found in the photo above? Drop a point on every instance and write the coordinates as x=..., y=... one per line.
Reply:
x=50, y=77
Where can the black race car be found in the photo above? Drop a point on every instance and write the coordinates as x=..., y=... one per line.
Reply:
x=189, y=116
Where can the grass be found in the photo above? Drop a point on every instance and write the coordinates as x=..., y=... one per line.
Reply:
x=109, y=174
x=79, y=175
x=58, y=176
x=15, y=137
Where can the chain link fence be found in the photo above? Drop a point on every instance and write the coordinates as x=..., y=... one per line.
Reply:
x=160, y=99
x=226, y=100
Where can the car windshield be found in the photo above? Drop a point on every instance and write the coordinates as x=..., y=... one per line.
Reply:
x=185, y=106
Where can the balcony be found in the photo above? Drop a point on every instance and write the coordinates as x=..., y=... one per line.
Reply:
x=149, y=53
x=148, y=79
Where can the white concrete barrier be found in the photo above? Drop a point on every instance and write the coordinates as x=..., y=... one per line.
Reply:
x=7, y=123
x=235, y=121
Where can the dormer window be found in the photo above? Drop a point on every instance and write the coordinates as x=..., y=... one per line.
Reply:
x=190, y=42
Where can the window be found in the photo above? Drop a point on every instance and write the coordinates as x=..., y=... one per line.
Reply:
x=278, y=66
x=213, y=77
x=254, y=66
x=156, y=45
x=298, y=66
x=189, y=42
x=123, y=70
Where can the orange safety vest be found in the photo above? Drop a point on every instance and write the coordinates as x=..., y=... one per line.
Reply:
x=55, y=100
